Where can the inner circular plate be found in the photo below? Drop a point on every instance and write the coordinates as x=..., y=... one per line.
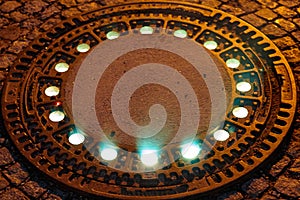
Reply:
x=149, y=100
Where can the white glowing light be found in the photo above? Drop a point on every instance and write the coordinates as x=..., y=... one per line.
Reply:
x=76, y=138
x=62, y=67
x=149, y=157
x=112, y=35
x=52, y=91
x=190, y=151
x=83, y=48
x=233, y=63
x=146, y=30
x=221, y=135
x=240, y=112
x=180, y=33
x=109, y=154
x=56, y=116
x=243, y=87
x=211, y=45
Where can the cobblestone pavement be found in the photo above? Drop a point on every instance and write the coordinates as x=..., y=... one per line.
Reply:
x=21, y=21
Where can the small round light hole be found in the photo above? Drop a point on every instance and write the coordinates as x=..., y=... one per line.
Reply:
x=221, y=135
x=109, y=154
x=83, y=48
x=180, y=33
x=243, y=86
x=62, y=67
x=112, y=35
x=56, y=116
x=76, y=138
x=146, y=30
x=52, y=91
x=211, y=45
x=233, y=63
x=240, y=112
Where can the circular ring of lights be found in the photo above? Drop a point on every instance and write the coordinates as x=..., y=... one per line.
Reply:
x=41, y=127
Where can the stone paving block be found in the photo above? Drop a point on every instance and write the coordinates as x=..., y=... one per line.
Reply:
x=12, y=32
x=71, y=12
x=18, y=16
x=50, y=196
x=296, y=35
x=289, y=3
x=285, y=12
x=4, y=44
x=255, y=187
x=286, y=25
x=13, y=194
x=5, y=156
x=16, y=173
x=288, y=186
x=249, y=6
x=211, y=3
x=294, y=149
x=68, y=3
x=30, y=24
x=3, y=21
x=279, y=166
x=295, y=168
x=271, y=195
x=9, y=6
x=292, y=55
x=234, y=195
x=3, y=182
x=297, y=21
x=6, y=60
x=284, y=42
x=254, y=20
x=33, y=188
x=34, y=6
x=273, y=30
x=267, y=14
x=50, y=11
x=268, y=3
x=88, y=7
x=232, y=9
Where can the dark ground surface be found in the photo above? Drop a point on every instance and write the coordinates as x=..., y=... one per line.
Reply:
x=21, y=21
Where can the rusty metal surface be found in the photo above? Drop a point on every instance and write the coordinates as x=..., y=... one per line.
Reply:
x=272, y=105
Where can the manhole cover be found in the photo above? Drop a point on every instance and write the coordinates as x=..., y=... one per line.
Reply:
x=152, y=99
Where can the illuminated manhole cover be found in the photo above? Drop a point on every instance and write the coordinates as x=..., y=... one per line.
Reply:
x=144, y=100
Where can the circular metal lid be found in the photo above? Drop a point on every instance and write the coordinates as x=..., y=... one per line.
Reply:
x=149, y=100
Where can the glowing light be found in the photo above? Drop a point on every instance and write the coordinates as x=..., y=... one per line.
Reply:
x=233, y=63
x=221, y=135
x=83, y=48
x=149, y=157
x=109, y=154
x=211, y=45
x=76, y=138
x=58, y=103
x=190, y=151
x=52, y=91
x=180, y=33
x=62, y=67
x=56, y=116
x=240, y=112
x=112, y=35
x=243, y=87
x=146, y=30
